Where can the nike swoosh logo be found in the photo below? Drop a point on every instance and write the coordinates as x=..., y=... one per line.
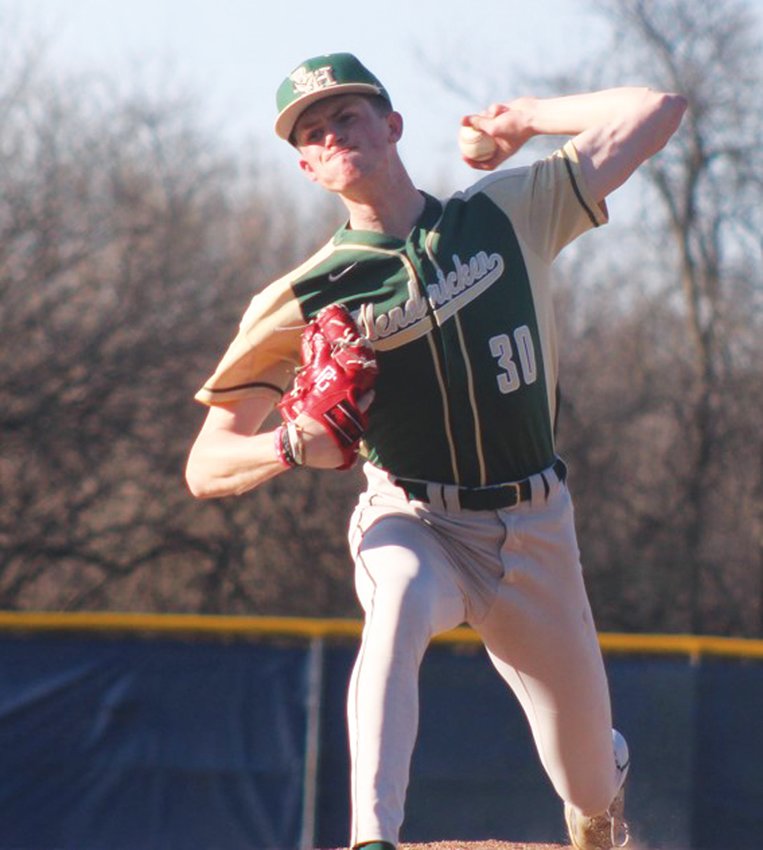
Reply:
x=334, y=276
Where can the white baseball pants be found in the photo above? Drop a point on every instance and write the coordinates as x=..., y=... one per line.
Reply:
x=513, y=575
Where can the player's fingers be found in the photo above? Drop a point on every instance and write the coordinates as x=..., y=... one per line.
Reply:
x=495, y=109
x=476, y=121
x=480, y=165
x=481, y=120
x=320, y=451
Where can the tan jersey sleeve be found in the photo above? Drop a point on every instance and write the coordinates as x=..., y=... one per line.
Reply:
x=264, y=354
x=549, y=203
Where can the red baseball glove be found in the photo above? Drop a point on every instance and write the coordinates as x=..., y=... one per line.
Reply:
x=338, y=368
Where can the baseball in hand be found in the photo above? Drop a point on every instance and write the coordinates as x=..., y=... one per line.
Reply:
x=475, y=144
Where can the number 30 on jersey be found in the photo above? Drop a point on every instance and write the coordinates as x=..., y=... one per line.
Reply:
x=516, y=358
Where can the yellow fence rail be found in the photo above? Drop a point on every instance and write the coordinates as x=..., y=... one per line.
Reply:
x=693, y=646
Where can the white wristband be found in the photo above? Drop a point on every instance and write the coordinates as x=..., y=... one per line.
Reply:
x=297, y=443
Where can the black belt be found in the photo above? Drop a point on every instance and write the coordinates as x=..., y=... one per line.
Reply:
x=490, y=498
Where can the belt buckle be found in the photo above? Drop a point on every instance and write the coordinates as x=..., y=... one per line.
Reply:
x=501, y=493
x=515, y=487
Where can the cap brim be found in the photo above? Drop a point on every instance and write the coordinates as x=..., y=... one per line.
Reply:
x=288, y=117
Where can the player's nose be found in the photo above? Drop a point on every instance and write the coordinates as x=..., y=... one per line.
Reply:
x=334, y=134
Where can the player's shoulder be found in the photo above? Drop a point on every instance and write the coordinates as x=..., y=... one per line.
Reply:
x=280, y=291
x=502, y=190
x=503, y=178
x=325, y=256
x=508, y=187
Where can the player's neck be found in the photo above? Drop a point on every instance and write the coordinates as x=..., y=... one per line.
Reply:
x=391, y=208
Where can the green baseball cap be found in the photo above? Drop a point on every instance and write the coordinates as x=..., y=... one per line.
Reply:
x=320, y=77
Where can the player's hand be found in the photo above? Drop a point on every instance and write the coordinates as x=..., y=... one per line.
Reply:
x=508, y=124
x=320, y=448
x=338, y=370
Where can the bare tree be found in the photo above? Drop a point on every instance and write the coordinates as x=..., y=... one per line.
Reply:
x=661, y=330
x=130, y=245
x=694, y=274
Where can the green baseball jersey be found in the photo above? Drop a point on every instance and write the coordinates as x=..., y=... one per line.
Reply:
x=461, y=319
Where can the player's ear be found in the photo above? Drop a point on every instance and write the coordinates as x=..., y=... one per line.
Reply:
x=395, y=124
x=308, y=170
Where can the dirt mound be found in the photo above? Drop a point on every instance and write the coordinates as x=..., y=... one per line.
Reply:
x=482, y=845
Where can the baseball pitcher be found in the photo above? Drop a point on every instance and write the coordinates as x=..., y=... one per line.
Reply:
x=421, y=338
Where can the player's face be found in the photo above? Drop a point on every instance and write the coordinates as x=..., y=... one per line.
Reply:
x=344, y=141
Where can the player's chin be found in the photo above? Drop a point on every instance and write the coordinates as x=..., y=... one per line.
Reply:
x=346, y=180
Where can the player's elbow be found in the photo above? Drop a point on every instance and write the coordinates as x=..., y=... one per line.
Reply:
x=670, y=108
x=200, y=479
x=674, y=106
x=199, y=485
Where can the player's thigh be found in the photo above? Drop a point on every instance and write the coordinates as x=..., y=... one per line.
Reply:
x=541, y=637
x=402, y=569
x=540, y=622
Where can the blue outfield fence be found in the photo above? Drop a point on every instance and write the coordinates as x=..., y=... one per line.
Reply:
x=131, y=732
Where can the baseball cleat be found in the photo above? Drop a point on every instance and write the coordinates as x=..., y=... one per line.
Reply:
x=609, y=829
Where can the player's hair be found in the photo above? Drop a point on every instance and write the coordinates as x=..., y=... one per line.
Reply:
x=382, y=106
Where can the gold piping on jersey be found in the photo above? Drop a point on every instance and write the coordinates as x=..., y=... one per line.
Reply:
x=442, y=315
x=418, y=328
x=445, y=411
x=473, y=403
x=365, y=316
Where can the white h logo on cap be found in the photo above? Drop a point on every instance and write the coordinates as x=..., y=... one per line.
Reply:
x=305, y=81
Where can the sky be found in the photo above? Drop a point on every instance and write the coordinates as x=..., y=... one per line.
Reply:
x=233, y=54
